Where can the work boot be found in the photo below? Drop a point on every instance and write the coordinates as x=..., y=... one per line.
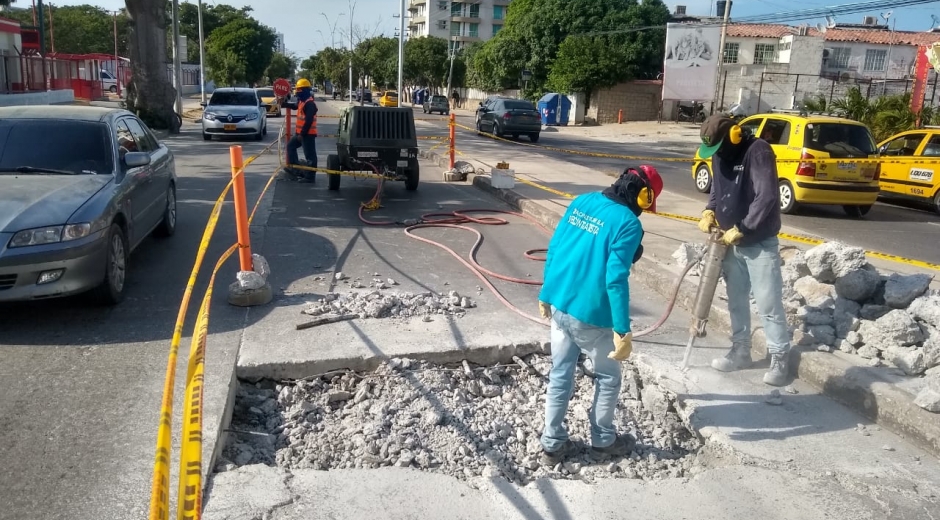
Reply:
x=737, y=358
x=621, y=447
x=779, y=370
x=550, y=458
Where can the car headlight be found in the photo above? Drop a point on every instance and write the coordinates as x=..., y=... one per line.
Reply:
x=209, y=116
x=50, y=235
x=251, y=117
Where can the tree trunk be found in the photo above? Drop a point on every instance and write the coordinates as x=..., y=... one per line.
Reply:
x=150, y=94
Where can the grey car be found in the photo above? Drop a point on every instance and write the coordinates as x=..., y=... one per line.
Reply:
x=436, y=104
x=234, y=111
x=515, y=117
x=80, y=188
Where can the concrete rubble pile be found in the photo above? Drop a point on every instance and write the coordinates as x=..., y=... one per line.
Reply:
x=461, y=421
x=377, y=302
x=835, y=299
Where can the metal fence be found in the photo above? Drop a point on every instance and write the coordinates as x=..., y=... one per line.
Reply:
x=25, y=74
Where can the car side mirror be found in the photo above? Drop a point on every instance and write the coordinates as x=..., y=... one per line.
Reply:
x=203, y=104
x=136, y=159
x=883, y=149
x=481, y=105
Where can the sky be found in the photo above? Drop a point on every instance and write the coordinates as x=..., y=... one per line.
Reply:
x=300, y=20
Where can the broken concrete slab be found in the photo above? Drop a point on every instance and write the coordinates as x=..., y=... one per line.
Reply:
x=831, y=260
x=901, y=290
x=858, y=285
x=814, y=292
x=929, y=397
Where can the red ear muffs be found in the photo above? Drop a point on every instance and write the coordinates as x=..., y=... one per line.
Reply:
x=646, y=196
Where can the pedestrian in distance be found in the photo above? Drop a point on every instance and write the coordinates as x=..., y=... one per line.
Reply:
x=744, y=204
x=455, y=97
x=586, y=296
x=305, y=135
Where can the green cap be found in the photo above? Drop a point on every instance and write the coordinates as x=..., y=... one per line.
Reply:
x=714, y=131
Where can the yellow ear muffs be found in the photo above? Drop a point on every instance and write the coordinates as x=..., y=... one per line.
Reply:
x=645, y=198
x=735, y=135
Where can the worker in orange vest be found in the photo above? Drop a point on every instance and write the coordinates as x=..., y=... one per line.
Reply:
x=305, y=133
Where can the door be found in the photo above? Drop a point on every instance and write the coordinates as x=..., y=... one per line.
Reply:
x=160, y=166
x=932, y=150
x=776, y=132
x=904, y=179
x=135, y=184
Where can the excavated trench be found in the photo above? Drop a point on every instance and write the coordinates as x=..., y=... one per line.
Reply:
x=464, y=421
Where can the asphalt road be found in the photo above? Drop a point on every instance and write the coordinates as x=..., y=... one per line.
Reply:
x=907, y=231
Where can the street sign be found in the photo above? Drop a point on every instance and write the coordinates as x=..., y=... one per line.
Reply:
x=526, y=75
x=282, y=88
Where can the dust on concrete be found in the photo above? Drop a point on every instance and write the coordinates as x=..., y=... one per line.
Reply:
x=463, y=421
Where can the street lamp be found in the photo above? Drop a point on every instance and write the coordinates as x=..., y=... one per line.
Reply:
x=202, y=56
x=332, y=27
x=401, y=48
x=177, y=65
x=352, y=10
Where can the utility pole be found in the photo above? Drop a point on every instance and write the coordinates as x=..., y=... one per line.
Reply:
x=352, y=9
x=886, y=16
x=202, y=56
x=177, y=66
x=117, y=58
x=401, y=49
x=721, y=49
x=42, y=41
x=450, y=74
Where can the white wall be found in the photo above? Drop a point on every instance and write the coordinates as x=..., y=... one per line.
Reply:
x=900, y=59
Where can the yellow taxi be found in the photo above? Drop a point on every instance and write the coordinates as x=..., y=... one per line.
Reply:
x=268, y=98
x=846, y=183
x=389, y=99
x=917, y=182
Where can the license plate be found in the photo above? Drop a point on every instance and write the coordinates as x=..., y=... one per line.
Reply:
x=845, y=166
x=229, y=128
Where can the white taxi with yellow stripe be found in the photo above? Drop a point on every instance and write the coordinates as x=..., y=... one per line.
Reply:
x=920, y=180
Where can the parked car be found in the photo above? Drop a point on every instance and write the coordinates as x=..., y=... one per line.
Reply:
x=848, y=184
x=916, y=182
x=436, y=104
x=109, y=81
x=72, y=211
x=270, y=99
x=364, y=96
x=234, y=111
x=389, y=99
x=504, y=116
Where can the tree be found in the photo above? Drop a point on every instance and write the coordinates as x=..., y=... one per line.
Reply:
x=79, y=29
x=239, y=52
x=150, y=94
x=213, y=17
x=378, y=58
x=310, y=69
x=571, y=72
x=332, y=65
x=426, y=61
x=280, y=66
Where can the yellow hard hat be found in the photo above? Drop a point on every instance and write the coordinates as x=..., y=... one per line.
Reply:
x=303, y=83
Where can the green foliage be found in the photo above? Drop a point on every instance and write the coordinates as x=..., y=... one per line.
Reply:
x=884, y=116
x=535, y=31
x=281, y=66
x=817, y=104
x=378, y=57
x=331, y=64
x=78, y=29
x=426, y=61
x=239, y=52
x=310, y=69
x=213, y=17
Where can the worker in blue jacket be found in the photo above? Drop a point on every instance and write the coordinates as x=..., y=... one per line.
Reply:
x=586, y=295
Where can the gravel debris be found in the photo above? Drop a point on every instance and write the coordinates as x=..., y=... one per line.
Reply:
x=442, y=419
x=390, y=304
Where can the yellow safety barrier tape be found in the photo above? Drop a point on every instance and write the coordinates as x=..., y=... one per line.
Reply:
x=160, y=490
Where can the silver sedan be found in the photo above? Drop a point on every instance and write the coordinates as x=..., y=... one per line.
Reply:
x=233, y=112
x=80, y=188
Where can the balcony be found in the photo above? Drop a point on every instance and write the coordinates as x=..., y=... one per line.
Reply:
x=500, y=2
x=416, y=19
x=465, y=19
x=418, y=2
x=466, y=38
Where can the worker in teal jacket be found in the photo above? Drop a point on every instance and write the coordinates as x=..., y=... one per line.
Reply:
x=586, y=294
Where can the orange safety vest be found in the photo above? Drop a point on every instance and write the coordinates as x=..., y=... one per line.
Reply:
x=302, y=118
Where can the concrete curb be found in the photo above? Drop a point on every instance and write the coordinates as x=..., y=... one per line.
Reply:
x=834, y=376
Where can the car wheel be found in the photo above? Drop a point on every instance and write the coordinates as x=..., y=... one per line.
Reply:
x=111, y=290
x=787, y=197
x=703, y=179
x=497, y=131
x=479, y=127
x=424, y=110
x=412, y=177
x=259, y=136
x=333, y=179
x=264, y=131
x=168, y=225
x=113, y=89
x=854, y=211
x=445, y=113
x=206, y=137
x=534, y=137
x=936, y=201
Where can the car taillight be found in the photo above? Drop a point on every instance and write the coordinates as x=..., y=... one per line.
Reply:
x=877, y=172
x=506, y=116
x=806, y=169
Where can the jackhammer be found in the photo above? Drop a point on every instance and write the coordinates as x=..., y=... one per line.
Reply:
x=715, y=251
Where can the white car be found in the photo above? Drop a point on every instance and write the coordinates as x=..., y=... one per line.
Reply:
x=234, y=111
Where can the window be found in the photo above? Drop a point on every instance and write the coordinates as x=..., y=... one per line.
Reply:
x=442, y=5
x=776, y=131
x=903, y=146
x=731, y=52
x=266, y=93
x=474, y=10
x=839, y=140
x=499, y=12
x=933, y=147
x=233, y=97
x=442, y=24
x=455, y=29
x=474, y=30
x=456, y=9
x=752, y=125
x=764, y=53
x=496, y=29
x=875, y=60
x=79, y=146
x=143, y=140
x=839, y=58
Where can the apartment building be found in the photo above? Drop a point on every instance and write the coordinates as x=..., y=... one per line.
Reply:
x=460, y=22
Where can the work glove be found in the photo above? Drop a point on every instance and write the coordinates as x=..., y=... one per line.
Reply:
x=732, y=236
x=623, y=347
x=707, y=222
x=545, y=310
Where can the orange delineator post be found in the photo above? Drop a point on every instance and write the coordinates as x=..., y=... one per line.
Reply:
x=620, y=116
x=241, y=209
x=287, y=129
x=453, y=127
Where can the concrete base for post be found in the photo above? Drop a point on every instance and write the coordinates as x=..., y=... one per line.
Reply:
x=243, y=297
x=454, y=176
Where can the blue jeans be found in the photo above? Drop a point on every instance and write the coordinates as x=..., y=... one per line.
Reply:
x=569, y=338
x=309, y=144
x=757, y=268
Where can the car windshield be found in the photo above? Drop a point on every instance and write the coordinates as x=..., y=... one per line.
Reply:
x=519, y=105
x=392, y=94
x=233, y=98
x=35, y=146
x=265, y=92
x=839, y=139
x=439, y=99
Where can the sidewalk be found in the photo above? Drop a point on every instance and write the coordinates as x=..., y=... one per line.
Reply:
x=880, y=394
